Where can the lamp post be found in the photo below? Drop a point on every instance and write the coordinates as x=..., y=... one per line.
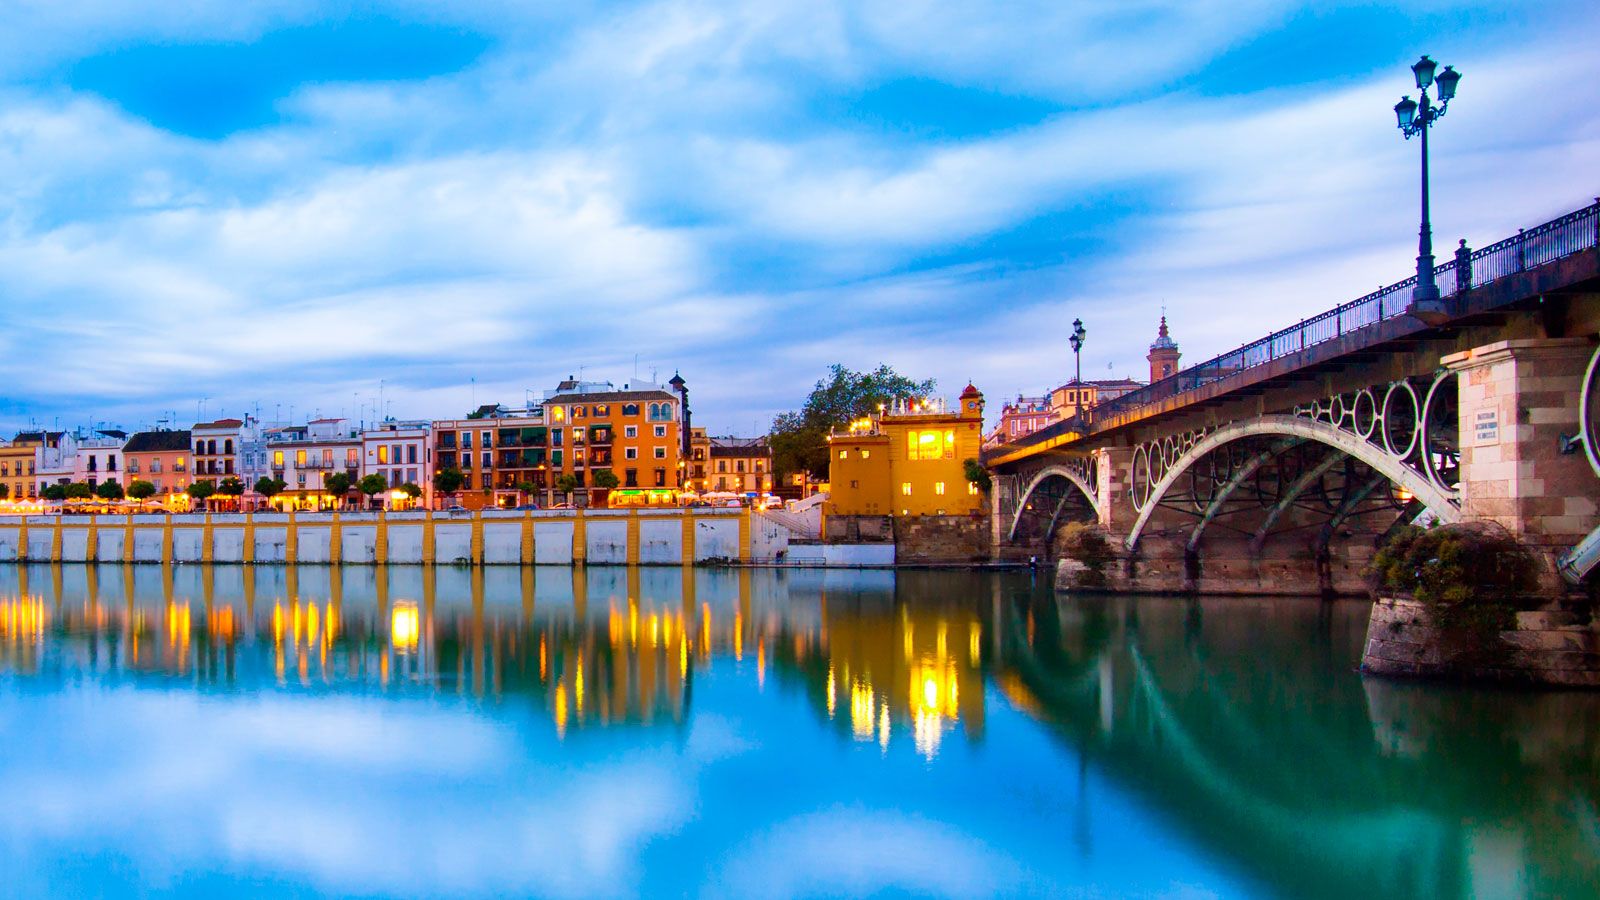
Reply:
x=1414, y=120
x=1076, y=341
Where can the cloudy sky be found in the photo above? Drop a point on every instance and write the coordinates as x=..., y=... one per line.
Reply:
x=209, y=205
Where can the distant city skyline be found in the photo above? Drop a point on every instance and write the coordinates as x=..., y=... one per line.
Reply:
x=271, y=204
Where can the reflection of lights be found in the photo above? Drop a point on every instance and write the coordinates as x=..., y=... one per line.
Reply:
x=832, y=689
x=561, y=708
x=404, y=626
x=973, y=646
x=930, y=694
x=862, y=706
x=23, y=620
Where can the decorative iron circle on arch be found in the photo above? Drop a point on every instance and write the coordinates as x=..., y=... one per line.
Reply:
x=1404, y=413
x=1440, y=407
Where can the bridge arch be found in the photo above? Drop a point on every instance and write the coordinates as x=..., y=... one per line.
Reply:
x=1426, y=491
x=1044, y=475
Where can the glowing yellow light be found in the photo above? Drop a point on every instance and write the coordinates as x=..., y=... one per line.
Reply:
x=1404, y=495
x=404, y=627
x=862, y=706
x=930, y=693
x=832, y=689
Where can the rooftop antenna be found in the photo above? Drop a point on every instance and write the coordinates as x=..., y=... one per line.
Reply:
x=474, y=392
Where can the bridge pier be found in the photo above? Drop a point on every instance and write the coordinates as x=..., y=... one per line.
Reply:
x=1519, y=400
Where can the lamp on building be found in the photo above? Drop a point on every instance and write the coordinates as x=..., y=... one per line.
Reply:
x=1078, y=334
x=1414, y=119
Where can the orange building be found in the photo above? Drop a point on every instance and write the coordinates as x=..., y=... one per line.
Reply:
x=909, y=460
x=636, y=432
x=161, y=458
x=18, y=461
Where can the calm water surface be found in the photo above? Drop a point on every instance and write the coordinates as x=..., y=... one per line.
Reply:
x=235, y=731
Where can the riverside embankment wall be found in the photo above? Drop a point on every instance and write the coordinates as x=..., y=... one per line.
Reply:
x=487, y=537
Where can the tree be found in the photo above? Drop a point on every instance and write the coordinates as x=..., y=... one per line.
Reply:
x=109, y=490
x=230, y=487
x=372, y=485
x=5, y=492
x=141, y=490
x=977, y=474
x=448, y=481
x=799, y=439
x=79, y=490
x=337, y=484
x=528, y=488
x=50, y=492
x=270, y=487
x=410, y=489
x=201, y=490
x=566, y=484
x=605, y=479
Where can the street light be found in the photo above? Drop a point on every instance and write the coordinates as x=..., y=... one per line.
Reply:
x=1078, y=334
x=1415, y=119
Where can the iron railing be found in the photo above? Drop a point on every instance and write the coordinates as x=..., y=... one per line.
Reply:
x=1572, y=233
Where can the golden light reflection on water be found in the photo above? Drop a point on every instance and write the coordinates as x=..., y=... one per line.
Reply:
x=617, y=659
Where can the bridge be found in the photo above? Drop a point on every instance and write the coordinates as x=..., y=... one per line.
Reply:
x=1280, y=466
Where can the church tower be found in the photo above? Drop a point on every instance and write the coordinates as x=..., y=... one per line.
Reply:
x=1163, y=355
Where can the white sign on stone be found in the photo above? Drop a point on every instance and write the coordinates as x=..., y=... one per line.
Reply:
x=1486, y=428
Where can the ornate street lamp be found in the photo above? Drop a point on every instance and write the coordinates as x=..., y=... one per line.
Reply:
x=1078, y=334
x=1415, y=119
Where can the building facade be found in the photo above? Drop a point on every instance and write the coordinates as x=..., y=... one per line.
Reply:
x=400, y=453
x=303, y=456
x=908, y=461
x=500, y=452
x=19, y=464
x=635, y=432
x=161, y=458
x=1022, y=417
x=739, y=465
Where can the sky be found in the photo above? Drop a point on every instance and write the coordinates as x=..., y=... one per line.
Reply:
x=212, y=207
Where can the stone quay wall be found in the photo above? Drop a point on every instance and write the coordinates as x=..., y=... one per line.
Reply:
x=1547, y=648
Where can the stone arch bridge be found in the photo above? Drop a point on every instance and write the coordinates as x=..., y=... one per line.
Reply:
x=1280, y=466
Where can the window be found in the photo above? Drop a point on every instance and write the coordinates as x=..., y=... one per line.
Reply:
x=555, y=458
x=905, y=488
x=865, y=454
x=299, y=457
x=630, y=409
x=352, y=456
x=578, y=434
x=411, y=454
x=930, y=445
x=661, y=431
x=738, y=466
x=556, y=436
x=466, y=440
x=488, y=460
x=661, y=453
x=661, y=478
x=601, y=410
x=486, y=439
x=722, y=464
x=855, y=484
x=631, y=431
x=578, y=412
x=630, y=477
x=972, y=489
x=383, y=454
x=227, y=446
x=938, y=488
x=842, y=454
x=630, y=453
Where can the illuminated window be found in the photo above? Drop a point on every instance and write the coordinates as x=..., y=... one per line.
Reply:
x=972, y=489
x=865, y=454
x=930, y=445
x=558, y=414
x=905, y=488
x=299, y=457
x=843, y=453
x=277, y=459
x=383, y=454
x=938, y=488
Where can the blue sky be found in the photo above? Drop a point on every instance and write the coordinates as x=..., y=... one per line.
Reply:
x=265, y=203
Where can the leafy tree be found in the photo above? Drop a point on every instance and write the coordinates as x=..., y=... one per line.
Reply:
x=201, y=490
x=606, y=479
x=567, y=483
x=230, y=487
x=410, y=489
x=337, y=484
x=109, y=490
x=79, y=490
x=977, y=474
x=372, y=485
x=799, y=439
x=270, y=487
x=528, y=487
x=141, y=490
x=50, y=492
x=448, y=481
x=5, y=491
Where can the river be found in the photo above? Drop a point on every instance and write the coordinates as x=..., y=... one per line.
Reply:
x=269, y=731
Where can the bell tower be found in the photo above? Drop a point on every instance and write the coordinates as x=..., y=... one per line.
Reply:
x=1163, y=354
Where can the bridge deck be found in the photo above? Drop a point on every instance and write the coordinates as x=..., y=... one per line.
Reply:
x=1535, y=263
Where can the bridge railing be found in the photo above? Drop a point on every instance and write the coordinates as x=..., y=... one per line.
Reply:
x=1558, y=238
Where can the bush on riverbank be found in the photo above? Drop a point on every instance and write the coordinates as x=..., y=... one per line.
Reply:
x=1469, y=577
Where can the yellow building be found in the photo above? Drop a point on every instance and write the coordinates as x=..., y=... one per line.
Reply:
x=908, y=460
x=17, y=467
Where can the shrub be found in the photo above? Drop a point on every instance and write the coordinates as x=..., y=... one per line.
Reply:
x=1084, y=542
x=1469, y=577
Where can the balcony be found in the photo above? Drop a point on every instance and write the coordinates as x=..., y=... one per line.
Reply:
x=600, y=435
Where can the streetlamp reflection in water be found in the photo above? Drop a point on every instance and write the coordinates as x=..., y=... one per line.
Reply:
x=404, y=627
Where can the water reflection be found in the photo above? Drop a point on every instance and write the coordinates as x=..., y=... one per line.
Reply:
x=1224, y=744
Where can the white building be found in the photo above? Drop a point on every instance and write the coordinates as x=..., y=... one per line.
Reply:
x=401, y=453
x=302, y=456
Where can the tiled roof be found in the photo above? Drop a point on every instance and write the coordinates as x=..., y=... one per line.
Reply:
x=157, y=442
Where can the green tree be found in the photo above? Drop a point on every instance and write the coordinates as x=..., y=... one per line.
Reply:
x=372, y=486
x=79, y=490
x=337, y=484
x=141, y=490
x=448, y=481
x=606, y=479
x=230, y=487
x=799, y=439
x=566, y=484
x=201, y=490
x=50, y=492
x=528, y=488
x=410, y=489
x=5, y=492
x=109, y=490
x=270, y=487
x=977, y=474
